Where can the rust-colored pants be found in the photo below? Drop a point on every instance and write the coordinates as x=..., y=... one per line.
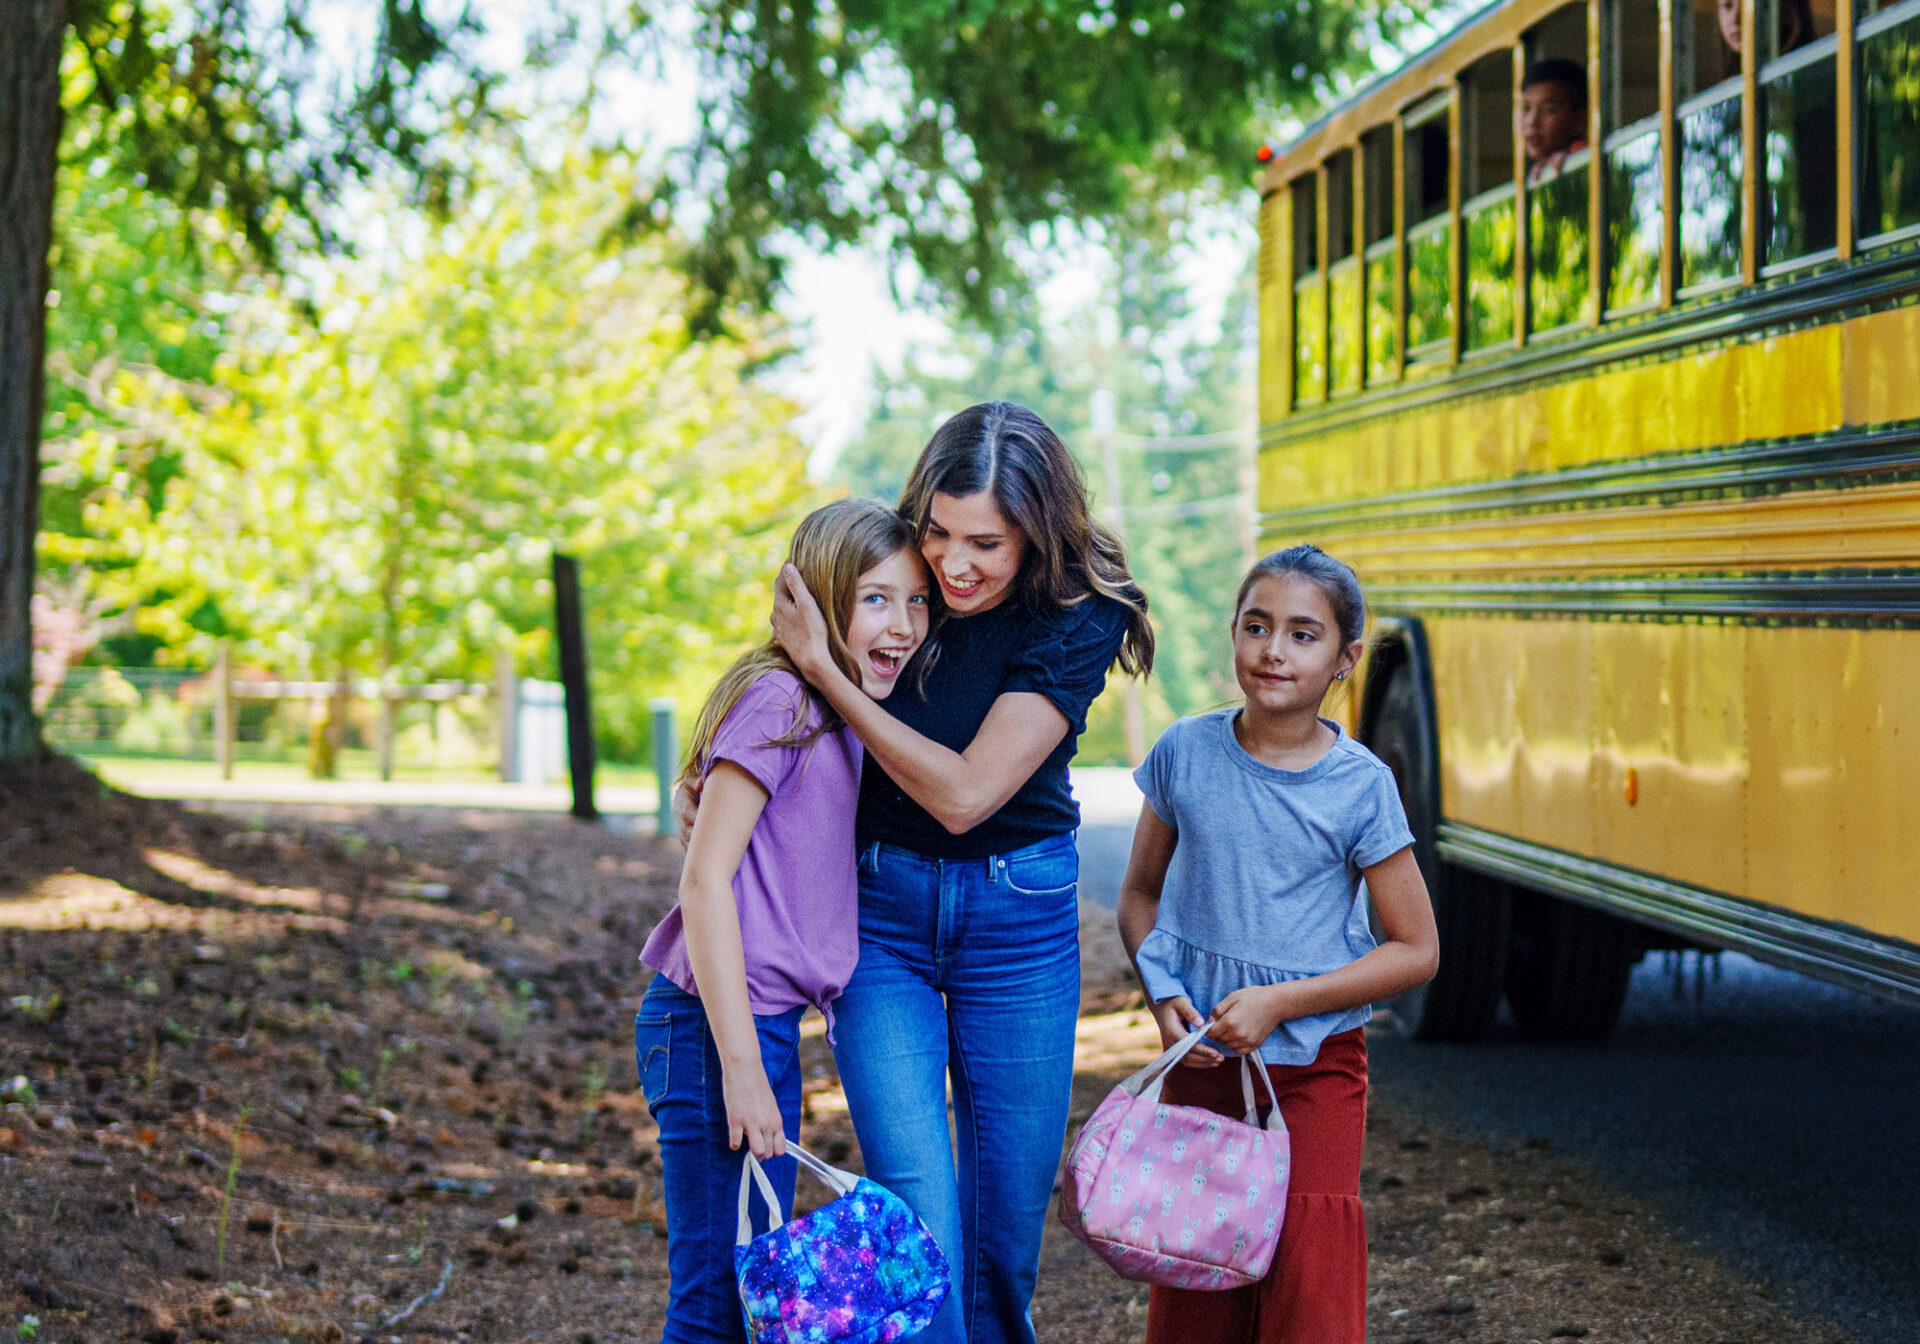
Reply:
x=1316, y=1291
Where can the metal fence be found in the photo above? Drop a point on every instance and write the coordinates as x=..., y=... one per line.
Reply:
x=172, y=714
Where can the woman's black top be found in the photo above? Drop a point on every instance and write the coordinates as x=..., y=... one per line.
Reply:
x=1062, y=654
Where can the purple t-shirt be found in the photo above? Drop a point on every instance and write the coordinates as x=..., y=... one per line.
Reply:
x=797, y=890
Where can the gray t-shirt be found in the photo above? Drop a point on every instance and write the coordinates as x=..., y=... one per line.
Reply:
x=1264, y=885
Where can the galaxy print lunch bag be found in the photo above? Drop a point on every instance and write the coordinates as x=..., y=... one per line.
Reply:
x=1177, y=1195
x=859, y=1270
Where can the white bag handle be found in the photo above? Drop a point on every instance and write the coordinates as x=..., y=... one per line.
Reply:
x=1147, y=1083
x=752, y=1173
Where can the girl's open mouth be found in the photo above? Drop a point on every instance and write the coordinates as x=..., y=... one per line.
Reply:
x=886, y=663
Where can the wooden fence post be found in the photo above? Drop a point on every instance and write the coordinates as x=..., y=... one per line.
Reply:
x=385, y=731
x=223, y=715
x=506, y=713
x=573, y=677
x=666, y=755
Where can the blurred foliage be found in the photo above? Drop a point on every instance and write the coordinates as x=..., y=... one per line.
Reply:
x=957, y=136
x=379, y=486
x=234, y=106
x=1182, y=395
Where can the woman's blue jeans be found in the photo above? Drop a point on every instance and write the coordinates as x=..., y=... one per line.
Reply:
x=699, y=1173
x=969, y=970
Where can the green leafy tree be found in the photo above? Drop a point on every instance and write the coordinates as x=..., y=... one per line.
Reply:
x=380, y=492
x=223, y=107
x=950, y=134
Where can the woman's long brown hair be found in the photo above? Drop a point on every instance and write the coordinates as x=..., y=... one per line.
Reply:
x=832, y=548
x=1008, y=450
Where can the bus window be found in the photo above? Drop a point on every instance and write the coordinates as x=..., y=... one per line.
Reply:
x=1889, y=120
x=1555, y=82
x=1631, y=117
x=1708, y=126
x=1309, y=295
x=1343, y=279
x=1428, y=186
x=1383, y=344
x=1487, y=214
x=1799, y=136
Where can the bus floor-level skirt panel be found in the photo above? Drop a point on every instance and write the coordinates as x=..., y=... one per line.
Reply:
x=1772, y=761
x=1834, y=952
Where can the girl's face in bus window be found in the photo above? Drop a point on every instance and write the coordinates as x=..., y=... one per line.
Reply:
x=1286, y=644
x=973, y=551
x=1730, y=24
x=889, y=620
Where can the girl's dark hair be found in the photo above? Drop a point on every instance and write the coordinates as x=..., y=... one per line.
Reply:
x=1008, y=450
x=1333, y=577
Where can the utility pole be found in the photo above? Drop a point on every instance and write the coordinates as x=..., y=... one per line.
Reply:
x=1101, y=412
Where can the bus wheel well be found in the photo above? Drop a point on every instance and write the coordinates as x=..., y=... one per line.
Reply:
x=1471, y=912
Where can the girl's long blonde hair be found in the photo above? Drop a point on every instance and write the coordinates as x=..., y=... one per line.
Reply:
x=832, y=548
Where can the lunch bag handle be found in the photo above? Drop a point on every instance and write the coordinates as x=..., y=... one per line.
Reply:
x=1147, y=1083
x=752, y=1173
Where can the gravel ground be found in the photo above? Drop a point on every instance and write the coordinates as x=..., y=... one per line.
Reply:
x=348, y=1074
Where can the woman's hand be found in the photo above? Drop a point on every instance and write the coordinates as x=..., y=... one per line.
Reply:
x=752, y=1113
x=686, y=805
x=799, y=626
x=1177, y=1016
x=1246, y=1017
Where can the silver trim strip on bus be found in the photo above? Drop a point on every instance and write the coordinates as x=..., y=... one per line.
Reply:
x=1832, y=952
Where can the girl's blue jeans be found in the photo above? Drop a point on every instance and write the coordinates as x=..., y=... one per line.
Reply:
x=700, y=1174
x=969, y=971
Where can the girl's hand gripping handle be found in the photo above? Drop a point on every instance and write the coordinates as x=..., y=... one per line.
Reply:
x=1177, y=1016
x=752, y=1113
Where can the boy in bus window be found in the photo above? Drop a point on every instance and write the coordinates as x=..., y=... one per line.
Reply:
x=1553, y=115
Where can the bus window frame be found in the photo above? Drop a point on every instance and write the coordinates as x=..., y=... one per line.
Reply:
x=1316, y=280
x=1387, y=246
x=1669, y=154
x=1355, y=260
x=1793, y=61
x=1734, y=86
x=1522, y=256
x=1851, y=35
x=1596, y=168
x=1435, y=105
x=1512, y=191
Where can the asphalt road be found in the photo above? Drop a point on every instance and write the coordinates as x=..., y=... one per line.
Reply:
x=1775, y=1121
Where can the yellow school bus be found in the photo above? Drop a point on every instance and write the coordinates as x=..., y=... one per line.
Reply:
x=1624, y=441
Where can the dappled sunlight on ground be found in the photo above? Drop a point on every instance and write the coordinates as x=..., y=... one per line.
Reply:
x=79, y=901
x=202, y=877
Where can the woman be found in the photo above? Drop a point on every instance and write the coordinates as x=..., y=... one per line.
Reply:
x=969, y=930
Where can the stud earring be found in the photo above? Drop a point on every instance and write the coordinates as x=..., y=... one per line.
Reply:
x=1339, y=676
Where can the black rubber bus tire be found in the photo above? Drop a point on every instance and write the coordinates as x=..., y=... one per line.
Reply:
x=1569, y=967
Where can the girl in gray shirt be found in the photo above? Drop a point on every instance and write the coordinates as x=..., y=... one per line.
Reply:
x=1244, y=911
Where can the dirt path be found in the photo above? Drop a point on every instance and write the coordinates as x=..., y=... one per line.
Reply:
x=369, y=1076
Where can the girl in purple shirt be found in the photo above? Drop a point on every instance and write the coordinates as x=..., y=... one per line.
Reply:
x=768, y=918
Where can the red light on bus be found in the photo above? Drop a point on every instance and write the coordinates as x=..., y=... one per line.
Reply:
x=1264, y=154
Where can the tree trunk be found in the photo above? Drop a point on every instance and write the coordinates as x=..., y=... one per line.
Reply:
x=31, y=34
